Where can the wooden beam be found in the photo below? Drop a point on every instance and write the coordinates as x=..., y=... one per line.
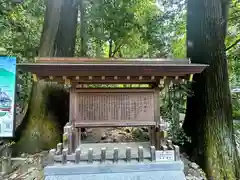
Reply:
x=191, y=77
x=67, y=82
x=113, y=90
x=91, y=124
x=35, y=78
x=159, y=80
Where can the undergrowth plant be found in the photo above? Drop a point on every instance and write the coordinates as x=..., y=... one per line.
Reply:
x=173, y=102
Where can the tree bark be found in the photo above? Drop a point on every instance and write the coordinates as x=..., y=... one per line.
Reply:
x=110, y=48
x=99, y=43
x=50, y=27
x=208, y=118
x=83, y=48
x=66, y=34
x=48, y=108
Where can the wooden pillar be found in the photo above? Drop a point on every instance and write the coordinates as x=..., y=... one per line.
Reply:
x=155, y=138
x=71, y=106
x=72, y=118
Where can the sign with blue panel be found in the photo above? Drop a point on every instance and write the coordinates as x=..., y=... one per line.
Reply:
x=7, y=95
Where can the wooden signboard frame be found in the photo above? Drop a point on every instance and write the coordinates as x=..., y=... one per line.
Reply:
x=83, y=75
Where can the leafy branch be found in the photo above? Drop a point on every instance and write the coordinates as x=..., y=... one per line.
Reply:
x=232, y=45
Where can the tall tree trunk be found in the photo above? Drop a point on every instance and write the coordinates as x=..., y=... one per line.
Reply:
x=110, y=48
x=66, y=34
x=209, y=112
x=50, y=27
x=99, y=43
x=48, y=108
x=83, y=50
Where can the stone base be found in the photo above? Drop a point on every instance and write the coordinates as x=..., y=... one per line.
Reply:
x=172, y=170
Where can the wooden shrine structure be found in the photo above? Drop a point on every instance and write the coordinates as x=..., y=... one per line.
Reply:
x=112, y=92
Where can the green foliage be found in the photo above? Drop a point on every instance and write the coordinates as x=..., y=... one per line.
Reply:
x=174, y=100
x=174, y=29
x=236, y=105
x=20, y=30
x=237, y=134
x=232, y=43
x=236, y=114
x=128, y=28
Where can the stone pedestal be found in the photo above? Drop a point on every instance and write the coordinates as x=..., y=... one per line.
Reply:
x=117, y=171
x=114, y=161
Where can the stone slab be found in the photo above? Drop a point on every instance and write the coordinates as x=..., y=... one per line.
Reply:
x=119, y=171
x=155, y=175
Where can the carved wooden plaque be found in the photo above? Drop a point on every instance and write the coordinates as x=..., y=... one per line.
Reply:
x=115, y=107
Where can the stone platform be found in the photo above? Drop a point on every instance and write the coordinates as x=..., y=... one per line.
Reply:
x=117, y=171
x=118, y=161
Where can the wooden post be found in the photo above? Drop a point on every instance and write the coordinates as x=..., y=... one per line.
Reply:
x=64, y=156
x=156, y=137
x=75, y=139
x=163, y=147
x=68, y=138
x=77, y=155
x=170, y=145
x=177, y=152
x=140, y=154
x=152, y=153
x=65, y=140
x=90, y=155
x=163, y=137
x=79, y=135
x=152, y=135
x=103, y=155
x=6, y=165
x=51, y=156
x=71, y=105
x=128, y=154
x=59, y=148
x=115, y=155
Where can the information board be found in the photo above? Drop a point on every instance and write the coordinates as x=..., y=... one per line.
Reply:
x=7, y=95
x=115, y=106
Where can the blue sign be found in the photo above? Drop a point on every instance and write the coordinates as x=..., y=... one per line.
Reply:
x=7, y=95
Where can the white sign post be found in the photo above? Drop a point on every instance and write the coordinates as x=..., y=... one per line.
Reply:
x=167, y=155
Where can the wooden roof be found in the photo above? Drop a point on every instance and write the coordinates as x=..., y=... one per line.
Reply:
x=110, y=60
x=92, y=70
x=118, y=67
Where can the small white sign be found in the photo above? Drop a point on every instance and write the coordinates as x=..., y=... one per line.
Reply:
x=167, y=155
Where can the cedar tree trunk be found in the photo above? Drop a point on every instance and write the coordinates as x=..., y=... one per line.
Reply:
x=83, y=47
x=209, y=112
x=48, y=108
